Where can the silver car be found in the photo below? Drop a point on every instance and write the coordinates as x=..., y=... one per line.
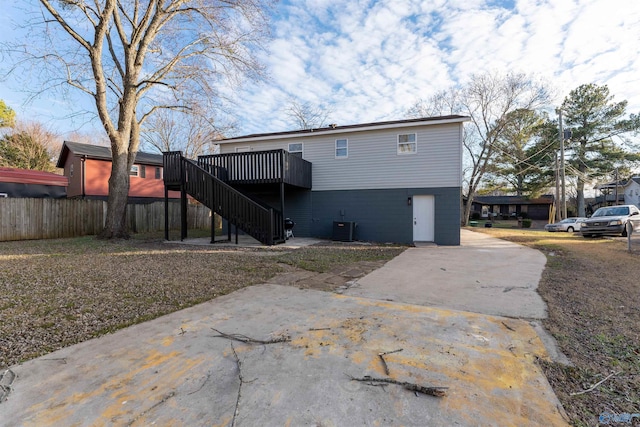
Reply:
x=611, y=221
x=569, y=224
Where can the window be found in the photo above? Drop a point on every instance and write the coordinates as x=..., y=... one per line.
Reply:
x=143, y=171
x=134, y=170
x=158, y=173
x=342, y=149
x=407, y=143
x=71, y=171
x=296, y=148
x=243, y=149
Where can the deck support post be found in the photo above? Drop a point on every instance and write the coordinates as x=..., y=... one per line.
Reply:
x=280, y=227
x=213, y=214
x=183, y=213
x=166, y=213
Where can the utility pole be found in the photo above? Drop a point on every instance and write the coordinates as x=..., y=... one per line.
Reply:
x=557, y=189
x=561, y=134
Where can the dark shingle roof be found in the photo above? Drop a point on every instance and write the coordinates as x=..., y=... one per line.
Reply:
x=103, y=153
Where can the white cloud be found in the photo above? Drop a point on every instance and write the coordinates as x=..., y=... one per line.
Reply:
x=369, y=60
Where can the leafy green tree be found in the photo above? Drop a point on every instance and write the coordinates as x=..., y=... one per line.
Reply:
x=7, y=115
x=21, y=150
x=524, y=156
x=600, y=135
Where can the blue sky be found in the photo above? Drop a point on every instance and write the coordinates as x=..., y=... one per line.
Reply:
x=370, y=60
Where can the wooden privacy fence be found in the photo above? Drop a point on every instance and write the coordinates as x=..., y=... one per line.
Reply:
x=28, y=219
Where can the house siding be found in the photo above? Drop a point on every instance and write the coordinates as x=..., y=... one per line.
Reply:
x=373, y=162
x=384, y=215
x=96, y=180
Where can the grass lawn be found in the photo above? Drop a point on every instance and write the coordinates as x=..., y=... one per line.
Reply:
x=54, y=293
x=592, y=290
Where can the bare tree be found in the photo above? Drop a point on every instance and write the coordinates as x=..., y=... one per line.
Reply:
x=306, y=116
x=192, y=133
x=134, y=57
x=487, y=99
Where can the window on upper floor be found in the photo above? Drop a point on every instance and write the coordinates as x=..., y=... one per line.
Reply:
x=407, y=143
x=342, y=148
x=134, y=170
x=71, y=171
x=296, y=148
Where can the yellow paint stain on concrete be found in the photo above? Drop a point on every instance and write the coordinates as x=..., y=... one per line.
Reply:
x=124, y=394
x=167, y=341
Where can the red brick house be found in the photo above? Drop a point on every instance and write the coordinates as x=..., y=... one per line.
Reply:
x=88, y=168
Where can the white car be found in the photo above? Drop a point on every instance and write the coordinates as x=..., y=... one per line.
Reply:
x=611, y=221
x=570, y=224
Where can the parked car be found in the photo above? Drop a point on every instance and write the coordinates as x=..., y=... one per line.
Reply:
x=569, y=224
x=611, y=221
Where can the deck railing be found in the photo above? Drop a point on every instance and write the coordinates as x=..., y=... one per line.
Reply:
x=259, y=167
x=259, y=221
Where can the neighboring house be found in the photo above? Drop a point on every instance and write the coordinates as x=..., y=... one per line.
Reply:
x=513, y=206
x=88, y=168
x=32, y=184
x=399, y=181
x=627, y=190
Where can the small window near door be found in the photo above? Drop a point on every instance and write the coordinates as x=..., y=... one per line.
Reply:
x=134, y=170
x=342, y=149
x=296, y=148
x=407, y=143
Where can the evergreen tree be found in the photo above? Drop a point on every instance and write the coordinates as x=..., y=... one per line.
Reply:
x=525, y=155
x=20, y=150
x=595, y=119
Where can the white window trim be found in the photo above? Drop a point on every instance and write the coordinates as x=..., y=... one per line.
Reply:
x=346, y=147
x=244, y=149
x=296, y=143
x=407, y=153
x=137, y=168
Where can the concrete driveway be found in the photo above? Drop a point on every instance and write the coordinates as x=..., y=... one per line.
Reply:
x=177, y=370
x=482, y=275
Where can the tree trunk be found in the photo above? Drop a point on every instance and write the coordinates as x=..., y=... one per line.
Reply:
x=467, y=211
x=580, y=197
x=116, y=226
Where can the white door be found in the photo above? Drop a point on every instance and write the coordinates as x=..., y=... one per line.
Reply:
x=423, y=218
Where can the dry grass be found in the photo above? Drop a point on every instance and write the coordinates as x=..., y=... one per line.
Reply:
x=592, y=290
x=54, y=293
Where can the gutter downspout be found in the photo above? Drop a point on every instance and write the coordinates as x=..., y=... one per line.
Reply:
x=82, y=162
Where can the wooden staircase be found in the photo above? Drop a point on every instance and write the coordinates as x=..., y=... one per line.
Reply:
x=206, y=183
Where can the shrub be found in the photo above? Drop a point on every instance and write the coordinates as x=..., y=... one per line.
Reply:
x=475, y=216
x=526, y=223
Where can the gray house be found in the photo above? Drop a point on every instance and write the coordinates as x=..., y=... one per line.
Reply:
x=395, y=181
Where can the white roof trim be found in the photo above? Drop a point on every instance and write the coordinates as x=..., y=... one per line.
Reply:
x=338, y=131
